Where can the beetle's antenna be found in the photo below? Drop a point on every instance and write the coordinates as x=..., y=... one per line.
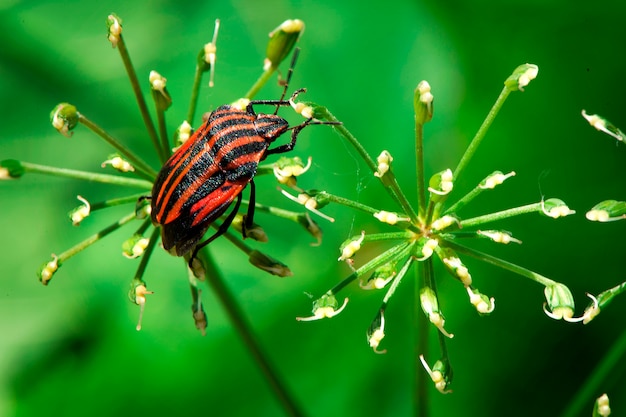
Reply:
x=294, y=58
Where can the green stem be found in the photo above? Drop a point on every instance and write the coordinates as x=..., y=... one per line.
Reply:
x=263, y=79
x=88, y=176
x=116, y=201
x=142, y=168
x=499, y=215
x=421, y=327
x=583, y=399
x=145, y=257
x=500, y=263
x=94, y=238
x=471, y=149
x=165, y=148
x=419, y=158
x=396, y=281
x=195, y=91
x=397, y=252
x=244, y=329
x=141, y=102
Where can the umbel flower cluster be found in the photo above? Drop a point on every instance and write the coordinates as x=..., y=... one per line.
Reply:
x=423, y=230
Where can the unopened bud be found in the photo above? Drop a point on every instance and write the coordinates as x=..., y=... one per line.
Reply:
x=495, y=179
x=559, y=303
x=445, y=222
x=376, y=331
x=48, y=269
x=78, y=214
x=604, y=126
x=137, y=295
x=208, y=54
x=498, y=236
x=287, y=169
x=601, y=407
x=425, y=248
x=312, y=227
x=555, y=208
x=64, y=118
x=134, y=246
x=160, y=95
x=430, y=306
x=11, y=169
x=440, y=185
x=282, y=40
x=114, y=26
x=457, y=268
x=183, y=133
x=269, y=264
x=423, y=103
x=325, y=307
x=607, y=211
x=483, y=304
x=384, y=164
x=440, y=374
x=349, y=247
x=390, y=218
x=380, y=277
x=521, y=77
x=119, y=163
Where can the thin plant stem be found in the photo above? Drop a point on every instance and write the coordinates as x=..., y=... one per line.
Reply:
x=195, y=91
x=419, y=158
x=606, y=369
x=165, y=148
x=141, y=167
x=421, y=334
x=504, y=214
x=250, y=340
x=116, y=201
x=141, y=102
x=145, y=257
x=480, y=134
x=88, y=176
x=500, y=263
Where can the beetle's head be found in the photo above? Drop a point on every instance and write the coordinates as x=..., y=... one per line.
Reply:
x=270, y=126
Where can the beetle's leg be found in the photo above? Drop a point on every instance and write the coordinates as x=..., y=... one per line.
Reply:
x=219, y=232
x=294, y=136
x=248, y=218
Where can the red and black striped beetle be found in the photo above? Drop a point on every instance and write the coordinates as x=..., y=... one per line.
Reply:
x=211, y=169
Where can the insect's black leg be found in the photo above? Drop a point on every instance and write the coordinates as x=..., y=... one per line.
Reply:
x=294, y=136
x=219, y=232
x=248, y=218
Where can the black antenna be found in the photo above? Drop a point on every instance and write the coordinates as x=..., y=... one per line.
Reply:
x=294, y=58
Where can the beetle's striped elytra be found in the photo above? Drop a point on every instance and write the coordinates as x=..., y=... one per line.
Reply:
x=210, y=170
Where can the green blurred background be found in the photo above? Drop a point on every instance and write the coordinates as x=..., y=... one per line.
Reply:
x=71, y=348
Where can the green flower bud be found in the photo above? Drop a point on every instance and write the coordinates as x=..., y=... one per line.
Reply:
x=384, y=164
x=521, y=77
x=325, y=307
x=47, y=270
x=311, y=226
x=555, y=208
x=559, y=303
x=269, y=264
x=605, y=126
x=601, y=407
x=483, y=304
x=390, y=218
x=380, y=277
x=445, y=222
x=282, y=40
x=600, y=301
x=494, y=179
x=64, y=118
x=142, y=208
x=287, y=169
x=423, y=103
x=119, y=163
x=11, y=169
x=455, y=267
x=440, y=185
x=137, y=294
x=425, y=247
x=78, y=214
x=159, y=91
x=440, y=374
x=254, y=232
x=498, y=236
x=134, y=246
x=430, y=306
x=114, y=27
x=349, y=247
x=376, y=331
x=607, y=211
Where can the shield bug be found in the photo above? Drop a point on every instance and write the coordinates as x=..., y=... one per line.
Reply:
x=210, y=170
